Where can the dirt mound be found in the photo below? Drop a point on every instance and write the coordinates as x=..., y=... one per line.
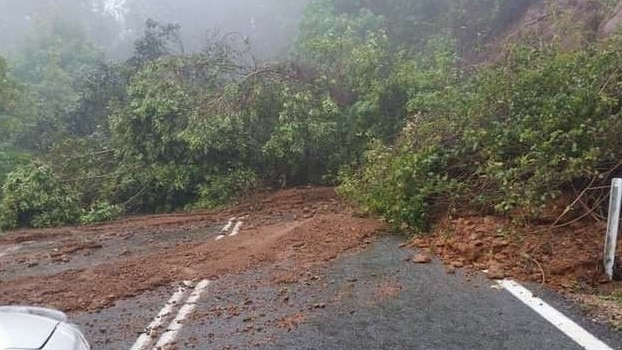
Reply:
x=565, y=258
x=307, y=199
x=295, y=201
x=303, y=242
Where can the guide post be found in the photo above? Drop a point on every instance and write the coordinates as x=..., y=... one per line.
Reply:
x=613, y=223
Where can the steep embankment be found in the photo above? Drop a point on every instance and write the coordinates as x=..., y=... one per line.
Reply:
x=612, y=23
x=571, y=22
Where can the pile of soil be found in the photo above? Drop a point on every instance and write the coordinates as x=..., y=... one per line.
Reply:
x=567, y=259
x=297, y=202
x=303, y=226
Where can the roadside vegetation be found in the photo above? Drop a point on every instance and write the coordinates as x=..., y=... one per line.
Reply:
x=411, y=107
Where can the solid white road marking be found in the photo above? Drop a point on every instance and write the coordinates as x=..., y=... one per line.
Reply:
x=563, y=323
x=173, y=328
x=145, y=338
x=236, y=229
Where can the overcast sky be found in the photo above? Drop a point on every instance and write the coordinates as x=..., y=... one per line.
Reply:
x=113, y=24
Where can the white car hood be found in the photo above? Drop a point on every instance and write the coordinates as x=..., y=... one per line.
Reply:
x=25, y=331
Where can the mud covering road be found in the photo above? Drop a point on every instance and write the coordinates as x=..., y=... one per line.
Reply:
x=291, y=270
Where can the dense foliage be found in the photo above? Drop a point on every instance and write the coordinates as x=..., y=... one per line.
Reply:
x=378, y=97
x=510, y=137
x=34, y=195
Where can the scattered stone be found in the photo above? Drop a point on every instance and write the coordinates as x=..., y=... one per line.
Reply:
x=500, y=243
x=463, y=248
x=419, y=243
x=496, y=271
x=422, y=258
x=457, y=264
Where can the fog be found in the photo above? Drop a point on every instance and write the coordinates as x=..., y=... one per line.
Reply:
x=114, y=24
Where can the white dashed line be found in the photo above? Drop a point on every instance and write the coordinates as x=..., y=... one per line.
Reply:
x=146, y=337
x=563, y=323
x=227, y=227
x=236, y=229
x=176, y=325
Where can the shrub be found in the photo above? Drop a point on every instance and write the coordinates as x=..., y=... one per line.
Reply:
x=101, y=211
x=222, y=188
x=33, y=195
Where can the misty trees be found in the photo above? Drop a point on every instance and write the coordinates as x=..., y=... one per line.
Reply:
x=14, y=120
x=100, y=87
x=164, y=131
x=158, y=40
x=10, y=95
x=51, y=60
x=114, y=25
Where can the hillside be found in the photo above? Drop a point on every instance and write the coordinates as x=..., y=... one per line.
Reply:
x=572, y=22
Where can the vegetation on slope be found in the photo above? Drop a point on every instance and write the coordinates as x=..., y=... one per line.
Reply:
x=384, y=99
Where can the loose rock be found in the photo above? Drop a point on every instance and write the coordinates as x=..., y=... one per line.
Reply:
x=422, y=258
x=496, y=271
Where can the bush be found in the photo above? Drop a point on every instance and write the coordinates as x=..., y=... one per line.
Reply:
x=401, y=186
x=100, y=212
x=222, y=188
x=33, y=195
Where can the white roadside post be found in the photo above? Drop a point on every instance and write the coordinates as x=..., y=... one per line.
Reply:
x=613, y=223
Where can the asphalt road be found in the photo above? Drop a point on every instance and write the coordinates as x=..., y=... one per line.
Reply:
x=369, y=299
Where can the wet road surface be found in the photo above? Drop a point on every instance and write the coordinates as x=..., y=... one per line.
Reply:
x=371, y=299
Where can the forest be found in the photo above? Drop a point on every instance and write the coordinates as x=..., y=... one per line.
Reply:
x=410, y=107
